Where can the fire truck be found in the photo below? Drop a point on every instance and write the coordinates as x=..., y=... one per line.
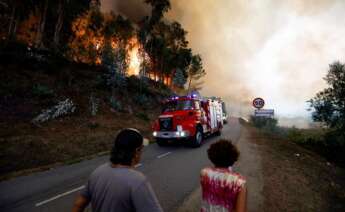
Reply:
x=189, y=119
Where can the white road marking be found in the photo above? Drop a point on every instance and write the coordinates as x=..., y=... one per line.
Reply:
x=138, y=165
x=163, y=155
x=81, y=187
x=69, y=192
x=59, y=196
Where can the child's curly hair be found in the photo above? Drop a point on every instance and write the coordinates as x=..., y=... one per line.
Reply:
x=223, y=153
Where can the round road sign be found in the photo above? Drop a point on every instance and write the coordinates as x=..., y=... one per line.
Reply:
x=258, y=103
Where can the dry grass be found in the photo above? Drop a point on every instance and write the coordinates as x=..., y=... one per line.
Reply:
x=26, y=147
x=62, y=141
x=296, y=179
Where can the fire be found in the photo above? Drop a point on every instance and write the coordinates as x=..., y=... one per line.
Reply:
x=134, y=59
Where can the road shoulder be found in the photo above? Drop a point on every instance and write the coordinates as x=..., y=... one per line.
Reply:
x=296, y=179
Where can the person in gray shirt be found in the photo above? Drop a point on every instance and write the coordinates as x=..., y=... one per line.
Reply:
x=116, y=186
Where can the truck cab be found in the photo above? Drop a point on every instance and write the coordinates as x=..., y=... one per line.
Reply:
x=184, y=119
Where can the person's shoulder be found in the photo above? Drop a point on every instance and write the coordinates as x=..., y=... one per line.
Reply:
x=206, y=170
x=240, y=179
x=133, y=177
x=209, y=172
x=136, y=175
x=100, y=169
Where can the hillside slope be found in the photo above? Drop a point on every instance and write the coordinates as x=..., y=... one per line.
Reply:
x=28, y=88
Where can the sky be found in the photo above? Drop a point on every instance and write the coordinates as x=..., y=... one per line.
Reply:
x=277, y=50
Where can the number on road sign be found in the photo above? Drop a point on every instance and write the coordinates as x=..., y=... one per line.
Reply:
x=258, y=103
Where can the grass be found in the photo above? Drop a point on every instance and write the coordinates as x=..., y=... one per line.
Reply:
x=295, y=178
x=326, y=142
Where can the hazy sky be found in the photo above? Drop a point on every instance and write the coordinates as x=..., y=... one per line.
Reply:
x=278, y=50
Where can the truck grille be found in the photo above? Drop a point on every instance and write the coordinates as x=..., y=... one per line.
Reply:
x=165, y=124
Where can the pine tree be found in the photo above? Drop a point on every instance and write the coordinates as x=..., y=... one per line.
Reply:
x=179, y=79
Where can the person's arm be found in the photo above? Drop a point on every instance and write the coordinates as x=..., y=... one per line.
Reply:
x=144, y=199
x=83, y=199
x=241, y=202
x=80, y=203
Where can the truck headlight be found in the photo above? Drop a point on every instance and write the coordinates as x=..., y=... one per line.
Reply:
x=154, y=134
x=183, y=134
x=179, y=128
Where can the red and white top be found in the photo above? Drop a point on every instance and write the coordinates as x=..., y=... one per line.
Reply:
x=220, y=188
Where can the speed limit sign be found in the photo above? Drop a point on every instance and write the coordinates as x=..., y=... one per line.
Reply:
x=258, y=103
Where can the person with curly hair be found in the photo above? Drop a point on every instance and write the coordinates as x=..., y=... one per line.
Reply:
x=222, y=188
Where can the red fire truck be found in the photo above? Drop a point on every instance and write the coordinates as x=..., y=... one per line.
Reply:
x=188, y=118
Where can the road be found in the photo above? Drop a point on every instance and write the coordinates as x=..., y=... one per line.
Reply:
x=173, y=172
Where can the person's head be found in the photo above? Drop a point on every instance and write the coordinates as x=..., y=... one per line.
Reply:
x=127, y=147
x=223, y=153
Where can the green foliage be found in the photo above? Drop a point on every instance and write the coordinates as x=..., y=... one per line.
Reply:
x=265, y=123
x=328, y=143
x=179, y=79
x=115, y=63
x=42, y=91
x=329, y=105
x=196, y=72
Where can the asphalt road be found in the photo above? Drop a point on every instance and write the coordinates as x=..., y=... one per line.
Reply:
x=173, y=172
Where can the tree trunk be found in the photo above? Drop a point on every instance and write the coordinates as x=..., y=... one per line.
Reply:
x=41, y=25
x=59, y=23
x=10, y=34
x=189, y=84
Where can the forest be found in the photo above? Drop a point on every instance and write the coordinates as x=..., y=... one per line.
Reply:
x=154, y=48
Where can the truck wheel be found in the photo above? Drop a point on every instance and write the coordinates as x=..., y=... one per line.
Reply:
x=198, y=137
x=161, y=142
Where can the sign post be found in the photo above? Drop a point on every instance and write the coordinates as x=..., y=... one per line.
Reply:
x=259, y=103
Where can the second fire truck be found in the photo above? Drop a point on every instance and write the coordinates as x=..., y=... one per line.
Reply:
x=188, y=118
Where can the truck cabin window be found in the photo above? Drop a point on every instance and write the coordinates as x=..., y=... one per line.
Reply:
x=178, y=105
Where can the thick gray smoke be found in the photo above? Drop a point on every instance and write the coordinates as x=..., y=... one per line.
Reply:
x=132, y=9
x=278, y=50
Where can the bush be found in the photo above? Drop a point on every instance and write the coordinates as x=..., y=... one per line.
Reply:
x=42, y=91
x=115, y=104
x=328, y=143
x=265, y=123
x=143, y=116
x=142, y=100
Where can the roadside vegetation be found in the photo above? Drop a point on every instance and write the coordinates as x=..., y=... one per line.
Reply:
x=296, y=178
x=328, y=110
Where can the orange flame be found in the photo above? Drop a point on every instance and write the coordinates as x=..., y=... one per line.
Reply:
x=134, y=58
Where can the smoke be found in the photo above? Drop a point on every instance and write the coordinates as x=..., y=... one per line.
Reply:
x=278, y=50
x=135, y=10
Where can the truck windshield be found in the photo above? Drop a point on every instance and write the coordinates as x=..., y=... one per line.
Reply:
x=178, y=105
